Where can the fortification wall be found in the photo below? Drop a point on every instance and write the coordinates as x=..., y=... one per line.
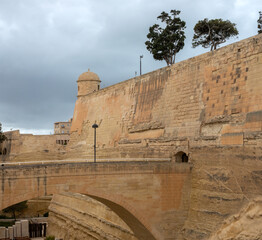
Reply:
x=209, y=106
x=210, y=100
x=76, y=216
x=29, y=147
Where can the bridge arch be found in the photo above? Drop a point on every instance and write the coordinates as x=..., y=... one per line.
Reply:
x=123, y=210
x=138, y=228
x=142, y=194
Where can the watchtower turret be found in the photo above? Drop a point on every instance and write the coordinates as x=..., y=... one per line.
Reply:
x=88, y=82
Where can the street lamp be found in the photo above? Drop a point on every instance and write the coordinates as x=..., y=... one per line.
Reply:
x=141, y=56
x=95, y=126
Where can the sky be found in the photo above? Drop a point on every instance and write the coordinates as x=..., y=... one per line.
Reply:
x=46, y=44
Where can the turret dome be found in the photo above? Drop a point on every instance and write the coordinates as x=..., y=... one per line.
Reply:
x=88, y=82
x=88, y=76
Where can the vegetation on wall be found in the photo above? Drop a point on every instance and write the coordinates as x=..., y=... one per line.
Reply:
x=259, y=22
x=165, y=42
x=211, y=33
x=16, y=208
x=2, y=136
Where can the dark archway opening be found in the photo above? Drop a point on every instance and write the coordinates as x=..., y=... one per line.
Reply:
x=181, y=157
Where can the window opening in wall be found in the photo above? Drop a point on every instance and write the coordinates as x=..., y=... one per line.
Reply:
x=181, y=157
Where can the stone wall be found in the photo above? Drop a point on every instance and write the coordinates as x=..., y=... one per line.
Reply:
x=210, y=100
x=209, y=107
x=245, y=225
x=29, y=147
x=152, y=198
x=76, y=216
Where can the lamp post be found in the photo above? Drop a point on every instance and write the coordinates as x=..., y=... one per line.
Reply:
x=95, y=126
x=141, y=56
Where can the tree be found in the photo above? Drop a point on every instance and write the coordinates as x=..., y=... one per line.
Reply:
x=211, y=33
x=19, y=207
x=165, y=43
x=2, y=136
x=259, y=22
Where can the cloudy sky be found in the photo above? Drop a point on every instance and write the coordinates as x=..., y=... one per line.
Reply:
x=46, y=44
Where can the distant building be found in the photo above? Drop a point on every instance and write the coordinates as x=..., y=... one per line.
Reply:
x=62, y=132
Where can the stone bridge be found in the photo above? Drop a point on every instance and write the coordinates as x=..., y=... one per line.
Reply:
x=151, y=197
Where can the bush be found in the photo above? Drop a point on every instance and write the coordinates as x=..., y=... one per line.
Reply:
x=50, y=238
x=7, y=224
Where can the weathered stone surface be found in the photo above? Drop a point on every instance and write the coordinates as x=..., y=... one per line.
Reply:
x=78, y=215
x=28, y=147
x=138, y=192
x=210, y=100
x=208, y=107
x=245, y=225
x=2, y=232
x=18, y=229
x=24, y=228
x=11, y=232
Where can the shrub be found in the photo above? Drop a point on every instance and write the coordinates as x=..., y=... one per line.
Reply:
x=50, y=238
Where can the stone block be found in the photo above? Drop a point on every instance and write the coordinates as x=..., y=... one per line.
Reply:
x=6, y=233
x=232, y=139
x=14, y=230
x=18, y=229
x=11, y=233
x=25, y=228
x=2, y=232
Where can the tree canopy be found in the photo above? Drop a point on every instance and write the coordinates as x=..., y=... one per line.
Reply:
x=2, y=136
x=211, y=33
x=16, y=208
x=259, y=22
x=165, y=42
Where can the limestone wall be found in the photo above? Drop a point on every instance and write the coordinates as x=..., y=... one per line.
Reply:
x=210, y=100
x=29, y=147
x=243, y=226
x=76, y=216
x=209, y=106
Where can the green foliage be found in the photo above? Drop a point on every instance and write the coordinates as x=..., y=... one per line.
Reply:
x=7, y=224
x=259, y=22
x=50, y=238
x=16, y=208
x=211, y=33
x=2, y=136
x=165, y=43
